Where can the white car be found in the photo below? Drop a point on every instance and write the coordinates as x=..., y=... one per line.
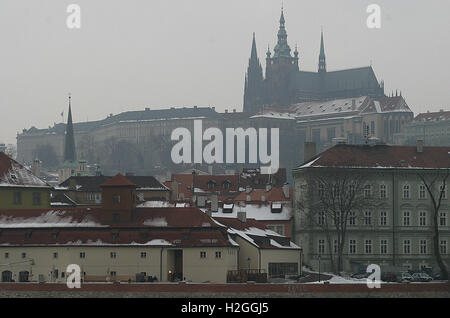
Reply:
x=421, y=277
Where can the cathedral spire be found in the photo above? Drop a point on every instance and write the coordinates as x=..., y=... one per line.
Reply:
x=69, y=141
x=322, y=60
x=282, y=48
x=253, y=88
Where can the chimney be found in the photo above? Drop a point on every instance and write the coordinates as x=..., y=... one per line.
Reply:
x=309, y=150
x=214, y=203
x=419, y=145
x=248, y=198
x=242, y=216
x=286, y=190
x=208, y=212
x=263, y=198
x=268, y=187
x=248, y=189
x=37, y=167
x=210, y=170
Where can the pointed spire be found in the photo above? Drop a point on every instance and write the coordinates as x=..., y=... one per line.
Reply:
x=282, y=48
x=254, y=54
x=322, y=59
x=69, y=141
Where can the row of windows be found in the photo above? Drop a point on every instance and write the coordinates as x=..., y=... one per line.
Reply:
x=203, y=254
x=368, y=218
x=422, y=192
x=82, y=255
x=423, y=247
x=17, y=198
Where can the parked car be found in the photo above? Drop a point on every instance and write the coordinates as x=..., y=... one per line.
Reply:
x=388, y=277
x=360, y=275
x=404, y=277
x=421, y=277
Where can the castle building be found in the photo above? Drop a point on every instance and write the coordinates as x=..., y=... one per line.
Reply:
x=285, y=84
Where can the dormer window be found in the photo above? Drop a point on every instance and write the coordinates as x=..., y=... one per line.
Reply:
x=276, y=208
x=228, y=208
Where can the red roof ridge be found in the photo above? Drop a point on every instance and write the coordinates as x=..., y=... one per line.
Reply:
x=118, y=181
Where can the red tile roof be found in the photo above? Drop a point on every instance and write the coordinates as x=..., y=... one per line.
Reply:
x=274, y=194
x=381, y=156
x=82, y=226
x=118, y=181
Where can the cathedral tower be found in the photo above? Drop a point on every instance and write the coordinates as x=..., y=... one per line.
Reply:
x=253, y=90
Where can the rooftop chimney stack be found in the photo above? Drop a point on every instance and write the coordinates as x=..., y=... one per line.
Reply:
x=242, y=216
x=286, y=190
x=309, y=150
x=419, y=145
x=36, y=167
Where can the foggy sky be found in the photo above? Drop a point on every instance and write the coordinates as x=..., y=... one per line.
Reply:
x=132, y=54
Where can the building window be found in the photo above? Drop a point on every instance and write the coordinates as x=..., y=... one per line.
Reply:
x=280, y=270
x=6, y=255
x=113, y=274
x=113, y=255
x=443, y=246
x=443, y=191
x=352, y=247
x=202, y=254
x=422, y=192
x=367, y=191
x=55, y=255
x=383, y=191
x=423, y=218
x=321, y=246
x=406, y=194
x=368, y=246
x=352, y=218
x=143, y=254
x=82, y=255
x=218, y=254
x=116, y=198
x=335, y=246
x=321, y=190
x=36, y=198
x=423, y=246
x=351, y=189
x=372, y=128
x=406, y=218
x=383, y=246
x=406, y=246
x=116, y=217
x=367, y=218
x=17, y=197
x=383, y=218
x=443, y=219
x=24, y=255
x=321, y=218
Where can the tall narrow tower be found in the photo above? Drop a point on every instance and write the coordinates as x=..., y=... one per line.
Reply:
x=281, y=69
x=70, y=154
x=322, y=60
x=253, y=90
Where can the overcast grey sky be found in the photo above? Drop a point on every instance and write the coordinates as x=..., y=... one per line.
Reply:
x=132, y=54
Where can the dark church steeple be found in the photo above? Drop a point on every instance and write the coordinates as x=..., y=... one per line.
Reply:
x=282, y=48
x=253, y=89
x=69, y=141
x=322, y=60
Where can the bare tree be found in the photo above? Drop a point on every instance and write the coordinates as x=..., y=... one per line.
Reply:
x=436, y=184
x=333, y=198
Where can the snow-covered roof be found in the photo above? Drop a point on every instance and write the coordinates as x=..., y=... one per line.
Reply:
x=259, y=212
x=13, y=174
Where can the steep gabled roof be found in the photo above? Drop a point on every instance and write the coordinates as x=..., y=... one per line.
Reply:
x=13, y=174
